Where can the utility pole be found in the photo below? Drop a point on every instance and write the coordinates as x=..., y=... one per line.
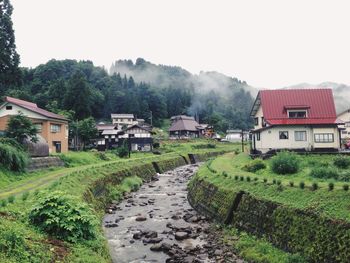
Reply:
x=242, y=141
x=151, y=119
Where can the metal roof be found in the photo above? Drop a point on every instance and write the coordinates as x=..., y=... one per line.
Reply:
x=34, y=108
x=122, y=116
x=319, y=104
x=184, y=124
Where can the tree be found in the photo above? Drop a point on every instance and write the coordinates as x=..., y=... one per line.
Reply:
x=9, y=59
x=20, y=127
x=78, y=96
x=83, y=131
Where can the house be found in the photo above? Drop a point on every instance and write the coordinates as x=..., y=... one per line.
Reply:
x=345, y=129
x=184, y=127
x=295, y=119
x=138, y=137
x=236, y=135
x=52, y=127
x=123, y=120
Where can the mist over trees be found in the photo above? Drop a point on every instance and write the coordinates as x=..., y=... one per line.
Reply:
x=80, y=90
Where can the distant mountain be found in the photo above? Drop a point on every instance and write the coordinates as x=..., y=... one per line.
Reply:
x=215, y=98
x=341, y=93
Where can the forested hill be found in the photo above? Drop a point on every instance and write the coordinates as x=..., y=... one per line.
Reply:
x=82, y=90
x=213, y=97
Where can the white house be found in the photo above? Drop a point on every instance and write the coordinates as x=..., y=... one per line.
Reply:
x=295, y=119
x=123, y=120
x=345, y=117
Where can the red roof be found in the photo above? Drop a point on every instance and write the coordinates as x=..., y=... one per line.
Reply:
x=34, y=108
x=319, y=104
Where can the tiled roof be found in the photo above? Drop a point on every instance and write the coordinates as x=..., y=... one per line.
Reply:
x=34, y=108
x=318, y=102
x=184, y=123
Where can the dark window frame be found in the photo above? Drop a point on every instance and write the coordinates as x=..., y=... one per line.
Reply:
x=258, y=136
x=9, y=107
x=256, y=121
x=285, y=133
x=297, y=114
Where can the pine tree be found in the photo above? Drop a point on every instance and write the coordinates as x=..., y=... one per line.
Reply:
x=9, y=59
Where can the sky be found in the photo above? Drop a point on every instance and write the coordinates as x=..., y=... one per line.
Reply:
x=269, y=43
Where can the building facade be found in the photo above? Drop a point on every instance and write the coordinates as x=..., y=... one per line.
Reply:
x=52, y=127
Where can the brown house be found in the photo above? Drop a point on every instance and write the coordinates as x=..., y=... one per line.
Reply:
x=52, y=127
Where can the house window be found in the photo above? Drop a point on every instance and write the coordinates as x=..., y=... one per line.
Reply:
x=347, y=124
x=324, y=137
x=263, y=123
x=8, y=107
x=344, y=132
x=256, y=121
x=258, y=136
x=297, y=114
x=55, y=128
x=300, y=135
x=283, y=135
x=39, y=127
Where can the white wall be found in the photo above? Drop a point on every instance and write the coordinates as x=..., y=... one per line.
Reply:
x=16, y=109
x=345, y=117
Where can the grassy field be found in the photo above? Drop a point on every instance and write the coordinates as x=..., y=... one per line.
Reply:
x=333, y=203
x=20, y=241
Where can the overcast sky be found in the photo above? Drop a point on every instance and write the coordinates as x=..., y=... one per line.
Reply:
x=268, y=43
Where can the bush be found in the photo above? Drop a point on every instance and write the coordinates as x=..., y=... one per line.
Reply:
x=25, y=196
x=254, y=166
x=291, y=184
x=285, y=163
x=11, y=199
x=236, y=151
x=224, y=173
x=342, y=162
x=12, y=244
x=242, y=178
x=156, y=152
x=3, y=203
x=279, y=182
x=123, y=151
x=236, y=177
x=314, y=186
x=265, y=180
x=156, y=145
x=248, y=178
x=330, y=186
x=102, y=156
x=274, y=181
x=12, y=158
x=302, y=185
x=324, y=173
x=346, y=187
x=256, y=179
x=59, y=215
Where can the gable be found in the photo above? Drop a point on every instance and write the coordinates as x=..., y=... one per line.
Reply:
x=16, y=108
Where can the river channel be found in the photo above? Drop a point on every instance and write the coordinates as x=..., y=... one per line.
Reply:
x=157, y=224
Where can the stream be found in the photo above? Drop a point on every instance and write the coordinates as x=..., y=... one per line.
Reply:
x=157, y=224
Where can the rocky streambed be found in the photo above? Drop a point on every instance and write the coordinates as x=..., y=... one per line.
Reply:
x=157, y=224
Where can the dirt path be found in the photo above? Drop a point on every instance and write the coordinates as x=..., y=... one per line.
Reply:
x=157, y=224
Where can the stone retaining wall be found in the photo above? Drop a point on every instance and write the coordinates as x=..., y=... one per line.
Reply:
x=37, y=163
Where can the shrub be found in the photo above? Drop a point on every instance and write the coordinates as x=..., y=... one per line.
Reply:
x=254, y=166
x=274, y=181
x=156, y=145
x=236, y=177
x=102, y=156
x=3, y=203
x=279, y=182
x=346, y=187
x=248, y=178
x=324, y=173
x=12, y=158
x=285, y=163
x=157, y=152
x=344, y=176
x=12, y=243
x=342, y=162
x=11, y=199
x=224, y=173
x=60, y=215
x=302, y=185
x=123, y=151
x=25, y=196
x=330, y=186
x=242, y=178
x=291, y=184
x=265, y=180
x=256, y=179
x=236, y=151
x=314, y=186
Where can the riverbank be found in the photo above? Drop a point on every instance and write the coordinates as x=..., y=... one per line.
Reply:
x=312, y=222
x=96, y=186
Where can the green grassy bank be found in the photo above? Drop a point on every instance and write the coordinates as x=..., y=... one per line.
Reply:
x=95, y=184
x=314, y=222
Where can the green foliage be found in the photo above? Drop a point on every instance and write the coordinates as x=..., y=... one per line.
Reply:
x=242, y=178
x=254, y=166
x=20, y=127
x=12, y=142
x=342, y=162
x=60, y=215
x=224, y=173
x=103, y=156
x=330, y=186
x=156, y=145
x=279, y=182
x=346, y=187
x=248, y=179
x=236, y=177
x=265, y=180
x=3, y=203
x=204, y=146
x=9, y=71
x=25, y=196
x=274, y=181
x=285, y=163
x=291, y=183
x=11, y=199
x=256, y=179
x=324, y=173
x=12, y=243
x=314, y=186
x=123, y=151
x=12, y=158
x=302, y=185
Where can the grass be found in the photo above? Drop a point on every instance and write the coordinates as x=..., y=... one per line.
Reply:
x=257, y=250
x=334, y=204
